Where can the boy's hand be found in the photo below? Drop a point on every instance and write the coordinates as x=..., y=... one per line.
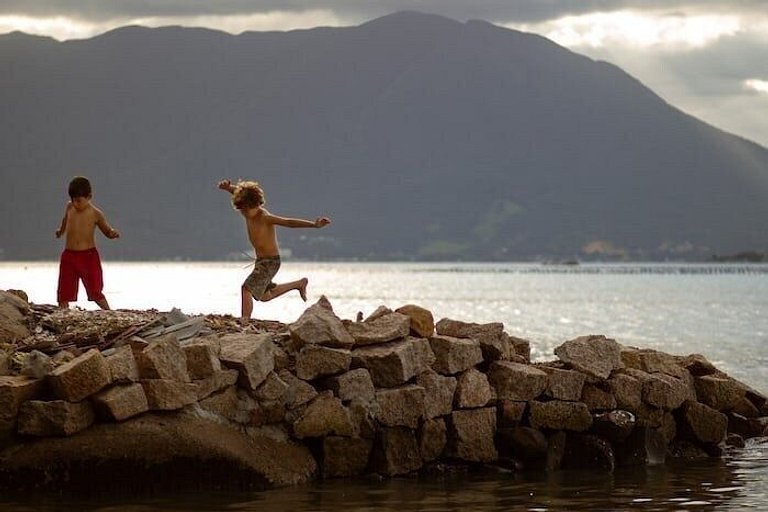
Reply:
x=113, y=234
x=225, y=184
x=322, y=221
x=59, y=232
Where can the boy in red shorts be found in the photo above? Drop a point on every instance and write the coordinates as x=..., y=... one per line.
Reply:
x=80, y=259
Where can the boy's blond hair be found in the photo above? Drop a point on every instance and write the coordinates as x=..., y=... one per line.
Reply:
x=248, y=194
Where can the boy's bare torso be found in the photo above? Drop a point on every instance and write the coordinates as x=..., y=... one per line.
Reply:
x=261, y=233
x=80, y=227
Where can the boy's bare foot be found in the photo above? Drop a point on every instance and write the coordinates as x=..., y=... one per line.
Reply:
x=245, y=322
x=303, y=288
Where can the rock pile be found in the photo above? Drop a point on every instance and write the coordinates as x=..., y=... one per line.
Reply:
x=395, y=392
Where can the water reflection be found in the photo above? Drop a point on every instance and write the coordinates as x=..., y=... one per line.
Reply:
x=735, y=482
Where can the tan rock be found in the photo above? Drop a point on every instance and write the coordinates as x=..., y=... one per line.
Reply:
x=250, y=354
x=389, y=327
x=433, y=438
x=705, y=423
x=13, y=326
x=510, y=413
x=15, y=390
x=353, y=385
x=219, y=380
x=598, y=399
x=394, y=363
x=299, y=392
x=471, y=435
x=472, y=390
x=627, y=390
x=345, y=456
x=722, y=394
x=560, y=415
x=121, y=402
x=515, y=381
x=664, y=391
x=594, y=355
x=454, y=355
x=168, y=395
x=422, y=324
x=272, y=389
x=319, y=325
x=163, y=358
x=439, y=393
x=122, y=366
x=56, y=418
x=563, y=384
x=315, y=361
x=402, y=406
x=493, y=343
x=225, y=403
x=324, y=416
x=396, y=451
x=202, y=359
x=80, y=378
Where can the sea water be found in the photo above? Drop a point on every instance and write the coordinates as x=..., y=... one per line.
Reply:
x=720, y=311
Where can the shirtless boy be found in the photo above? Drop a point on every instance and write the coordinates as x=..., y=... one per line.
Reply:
x=80, y=259
x=248, y=199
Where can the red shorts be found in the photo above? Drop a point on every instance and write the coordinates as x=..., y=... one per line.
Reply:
x=80, y=265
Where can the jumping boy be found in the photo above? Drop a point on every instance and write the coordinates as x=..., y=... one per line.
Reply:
x=248, y=199
x=80, y=259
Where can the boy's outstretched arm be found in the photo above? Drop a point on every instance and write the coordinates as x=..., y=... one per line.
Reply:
x=227, y=185
x=296, y=223
x=63, y=227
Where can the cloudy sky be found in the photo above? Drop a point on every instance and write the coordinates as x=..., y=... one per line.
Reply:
x=707, y=57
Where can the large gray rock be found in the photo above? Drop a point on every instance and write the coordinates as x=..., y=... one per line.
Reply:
x=402, y=406
x=396, y=451
x=163, y=358
x=494, y=344
x=515, y=381
x=394, y=363
x=422, y=321
x=651, y=361
x=439, y=393
x=354, y=385
x=559, y=415
x=56, y=418
x=119, y=403
x=81, y=377
x=471, y=435
x=252, y=355
x=325, y=415
x=319, y=325
x=472, y=390
x=388, y=327
x=454, y=355
x=593, y=355
x=315, y=361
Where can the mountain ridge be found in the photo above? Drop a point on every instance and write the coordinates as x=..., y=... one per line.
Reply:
x=421, y=136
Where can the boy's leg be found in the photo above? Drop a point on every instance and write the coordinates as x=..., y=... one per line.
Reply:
x=280, y=289
x=246, y=305
x=68, y=280
x=63, y=304
x=102, y=303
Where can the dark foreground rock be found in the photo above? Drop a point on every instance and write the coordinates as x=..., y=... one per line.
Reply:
x=145, y=400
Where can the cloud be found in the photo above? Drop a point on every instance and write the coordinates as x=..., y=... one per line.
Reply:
x=636, y=29
x=757, y=85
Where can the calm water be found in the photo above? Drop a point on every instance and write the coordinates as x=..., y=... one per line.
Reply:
x=720, y=311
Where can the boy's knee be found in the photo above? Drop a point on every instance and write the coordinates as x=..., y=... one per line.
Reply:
x=266, y=297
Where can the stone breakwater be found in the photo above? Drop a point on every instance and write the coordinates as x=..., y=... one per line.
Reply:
x=323, y=397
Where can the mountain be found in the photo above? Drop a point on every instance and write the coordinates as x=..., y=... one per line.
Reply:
x=420, y=136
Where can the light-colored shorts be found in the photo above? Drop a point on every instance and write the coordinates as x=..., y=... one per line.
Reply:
x=260, y=279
